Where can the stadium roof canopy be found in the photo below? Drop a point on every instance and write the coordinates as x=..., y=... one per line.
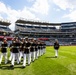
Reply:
x=5, y=23
x=69, y=23
x=37, y=22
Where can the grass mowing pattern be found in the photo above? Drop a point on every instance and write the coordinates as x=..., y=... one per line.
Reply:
x=65, y=64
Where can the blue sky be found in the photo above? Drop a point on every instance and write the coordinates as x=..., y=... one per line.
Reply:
x=54, y=11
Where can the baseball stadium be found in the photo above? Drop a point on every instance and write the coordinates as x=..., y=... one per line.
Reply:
x=45, y=34
x=66, y=34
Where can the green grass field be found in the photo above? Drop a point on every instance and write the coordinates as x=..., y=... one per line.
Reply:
x=65, y=64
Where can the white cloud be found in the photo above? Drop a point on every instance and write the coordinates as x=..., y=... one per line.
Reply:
x=41, y=6
x=1, y=17
x=71, y=15
x=56, y=9
x=30, y=0
x=65, y=4
x=13, y=15
x=68, y=5
x=3, y=8
x=25, y=13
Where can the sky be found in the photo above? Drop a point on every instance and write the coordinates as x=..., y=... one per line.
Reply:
x=53, y=11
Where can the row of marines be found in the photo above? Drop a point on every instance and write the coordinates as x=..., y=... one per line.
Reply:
x=26, y=49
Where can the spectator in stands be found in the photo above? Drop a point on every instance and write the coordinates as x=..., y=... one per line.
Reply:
x=56, y=47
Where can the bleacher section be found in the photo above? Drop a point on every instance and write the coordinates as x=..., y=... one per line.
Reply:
x=66, y=34
x=27, y=28
x=5, y=30
x=68, y=27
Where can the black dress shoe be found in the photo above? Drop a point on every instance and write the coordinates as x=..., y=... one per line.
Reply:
x=12, y=66
x=28, y=65
x=33, y=60
x=23, y=66
x=0, y=66
x=9, y=61
x=55, y=56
